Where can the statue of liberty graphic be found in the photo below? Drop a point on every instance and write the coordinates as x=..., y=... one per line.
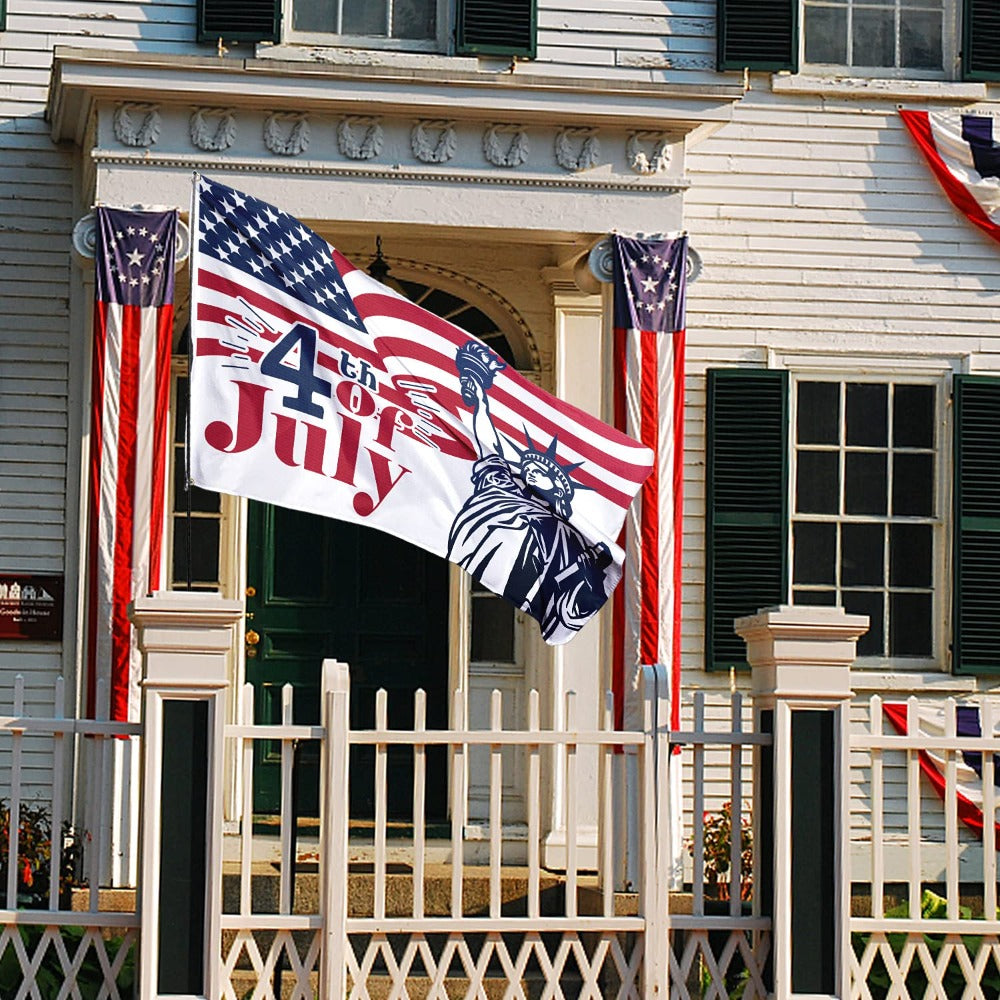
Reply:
x=514, y=531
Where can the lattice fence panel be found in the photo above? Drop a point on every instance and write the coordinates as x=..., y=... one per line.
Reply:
x=890, y=966
x=67, y=963
x=271, y=964
x=717, y=965
x=598, y=965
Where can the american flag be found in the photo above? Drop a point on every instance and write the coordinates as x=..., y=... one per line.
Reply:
x=316, y=387
x=130, y=384
x=649, y=293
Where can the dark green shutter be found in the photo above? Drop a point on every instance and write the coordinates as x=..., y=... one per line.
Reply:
x=976, y=592
x=758, y=34
x=239, y=20
x=497, y=27
x=3, y=15
x=746, y=504
x=981, y=40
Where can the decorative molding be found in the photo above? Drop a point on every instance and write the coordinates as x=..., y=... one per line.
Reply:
x=491, y=178
x=516, y=152
x=465, y=281
x=85, y=239
x=635, y=150
x=297, y=140
x=209, y=139
x=360, y=149
x=130, y=134
x=433, y=152
x=590, y=150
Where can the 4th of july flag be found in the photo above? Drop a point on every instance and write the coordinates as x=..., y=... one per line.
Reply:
x=315, y=387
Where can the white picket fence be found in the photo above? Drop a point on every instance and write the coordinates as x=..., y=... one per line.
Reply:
x=414, y=925
x=957, y=954
x=61, y=949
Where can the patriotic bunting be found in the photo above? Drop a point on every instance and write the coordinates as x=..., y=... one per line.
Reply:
x=130, y=384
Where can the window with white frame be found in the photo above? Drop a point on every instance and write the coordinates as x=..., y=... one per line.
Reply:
x=887, y=37
x=416, y=24
x=866, y=519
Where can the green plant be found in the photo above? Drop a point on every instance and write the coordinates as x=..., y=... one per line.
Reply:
x=932, y=907
x=717, y=854
x=34, y=854
x=50, y=977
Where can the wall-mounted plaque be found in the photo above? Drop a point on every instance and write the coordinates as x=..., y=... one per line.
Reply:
x=31, y=606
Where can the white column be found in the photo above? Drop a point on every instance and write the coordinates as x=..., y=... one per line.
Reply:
x=800, y=658
x=577, y=665
x=185, y=638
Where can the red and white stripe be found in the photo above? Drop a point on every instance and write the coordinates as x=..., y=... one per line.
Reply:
x=649, y=405
x=128, y=447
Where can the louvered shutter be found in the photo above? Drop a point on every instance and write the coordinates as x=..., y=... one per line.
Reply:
x=3, y=15
x=746, y=504
x=497, y=27
x=758, y=34
x=239, y=20
x=981, y=40
x=976, y=533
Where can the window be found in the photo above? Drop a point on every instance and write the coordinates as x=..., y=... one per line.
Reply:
x=834, y=492
x=195, y=519
x=865, y=524
x=878, y=36
x=371, y=21
x=912, y=38
x=486, y=27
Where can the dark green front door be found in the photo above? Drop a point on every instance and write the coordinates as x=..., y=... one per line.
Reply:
x=318, y=589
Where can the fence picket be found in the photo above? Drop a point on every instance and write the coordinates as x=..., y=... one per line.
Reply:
x=605, y=821
x=698, y=832
x=913, y=810
x=457, y=803
x=286, y=818
x=951, y=812
x=496, y=803
x=381, y=800
x=246, y=831
x=736, y=807
x=58, y=792
x=419, y=800
x=14, y=814
x=877, y=807
x=534, y=809
x=989, y=721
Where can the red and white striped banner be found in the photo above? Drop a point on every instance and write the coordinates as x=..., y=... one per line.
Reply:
x=133, y=326
x=649, y=289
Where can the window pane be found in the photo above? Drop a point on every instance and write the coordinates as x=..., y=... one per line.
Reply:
x=413, y=18
x=910, y=548
x=201, y=500
x=913, y=416
x=818, y=413
x=826, y=35
x=196, y=543
x=873, y=38
x=913, y=485
x=867, y=415
x=365, y=17
x=492, y=629
x=864, y=483
x=180, y=410
x=314, y=15
x=817, y=482
x=920, y=40
x=862, y=559
x=826, y=598
x=910, y=625
x=815, y=553
x=860, y=602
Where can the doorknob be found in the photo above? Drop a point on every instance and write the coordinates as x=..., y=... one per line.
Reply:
x=250, y=641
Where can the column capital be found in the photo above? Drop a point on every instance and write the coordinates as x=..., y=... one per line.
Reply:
x=801, y=651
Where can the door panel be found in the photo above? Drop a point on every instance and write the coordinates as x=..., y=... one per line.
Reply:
x=319, y=588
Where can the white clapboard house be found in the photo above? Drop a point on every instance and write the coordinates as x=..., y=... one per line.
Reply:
x=842, y=389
